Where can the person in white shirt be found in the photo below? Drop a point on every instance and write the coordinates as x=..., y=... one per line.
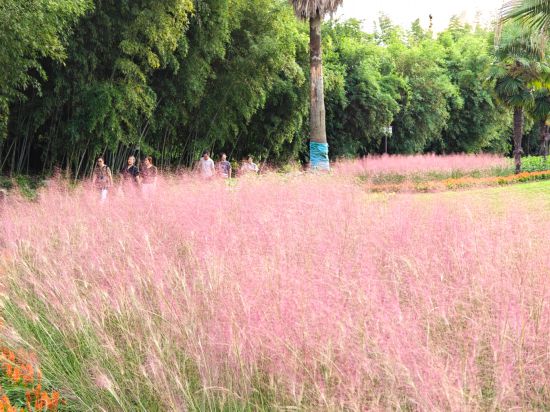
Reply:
x=206, y=166
x=249, y=166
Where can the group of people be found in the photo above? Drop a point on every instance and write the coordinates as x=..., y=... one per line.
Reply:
x=207, y=169
x=145, y=177
x=132, y=176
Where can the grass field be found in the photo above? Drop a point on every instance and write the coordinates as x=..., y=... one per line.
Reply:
x=283, y=293
x=535, y=194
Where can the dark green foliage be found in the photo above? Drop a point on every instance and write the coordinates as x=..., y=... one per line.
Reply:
x=429, y=95
x=478, y=123
x=535, y=164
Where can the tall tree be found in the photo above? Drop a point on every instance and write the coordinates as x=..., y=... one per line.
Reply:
x=519, y=64
x=315, y=10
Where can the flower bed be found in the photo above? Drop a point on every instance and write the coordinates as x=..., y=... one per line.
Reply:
x=21, y=384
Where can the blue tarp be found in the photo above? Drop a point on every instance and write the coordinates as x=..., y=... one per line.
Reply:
x=318, y=156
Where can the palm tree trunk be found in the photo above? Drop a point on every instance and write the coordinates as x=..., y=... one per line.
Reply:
x=318, y=144
x=518, y=136
x=543, y=129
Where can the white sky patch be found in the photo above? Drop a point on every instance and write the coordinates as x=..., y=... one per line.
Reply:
x=404, y=12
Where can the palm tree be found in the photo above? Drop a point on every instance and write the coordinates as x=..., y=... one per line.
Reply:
x=534, y=13
x=518, y=68
x=314, y=11
x=540, y=113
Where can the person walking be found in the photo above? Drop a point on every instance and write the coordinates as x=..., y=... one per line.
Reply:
x=206, y=166
x=102, y=178
x=249, y=166
x=130, y=173
x=224, y=167
x=148, y=176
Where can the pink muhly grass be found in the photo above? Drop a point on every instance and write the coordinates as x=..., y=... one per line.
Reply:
x=373, y=165
x=341, y=300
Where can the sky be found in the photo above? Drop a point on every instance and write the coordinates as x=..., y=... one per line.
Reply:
x=403, y=12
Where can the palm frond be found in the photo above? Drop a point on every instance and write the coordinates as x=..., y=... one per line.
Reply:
x=541, y=108
x=306, y=9
x=511, y=88
x=534, y=13
x=517, y=41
